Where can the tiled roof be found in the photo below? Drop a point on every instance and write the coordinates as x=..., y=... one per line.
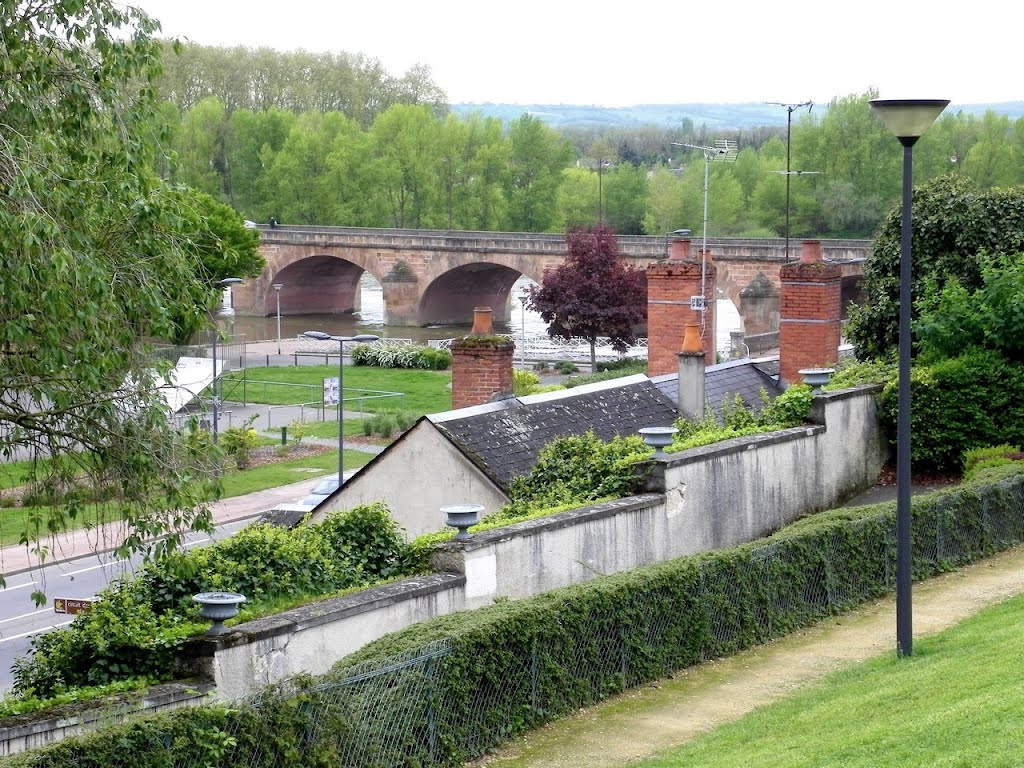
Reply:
x=724, y=381
x=505, y=437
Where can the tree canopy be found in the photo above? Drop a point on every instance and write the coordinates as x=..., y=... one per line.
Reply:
x=592, y=293
x=955, y=226
x=97, y=258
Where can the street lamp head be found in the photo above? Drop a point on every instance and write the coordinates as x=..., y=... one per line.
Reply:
x=318, y=335
x=228, y=281
x=363, y=337
x=277, y=286
x=680, y=232
x=908, y=119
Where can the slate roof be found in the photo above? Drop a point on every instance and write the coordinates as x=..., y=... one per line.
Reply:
x=724, y=381
x=504, y=438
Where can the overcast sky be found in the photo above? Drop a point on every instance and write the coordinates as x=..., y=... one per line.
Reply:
x=573, y=52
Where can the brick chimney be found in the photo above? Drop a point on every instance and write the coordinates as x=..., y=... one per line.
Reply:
x=670, y=285
x=809, y=322
x=481, y=364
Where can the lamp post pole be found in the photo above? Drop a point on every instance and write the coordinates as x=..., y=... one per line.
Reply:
x=214, y=403
x=321, y=336
x=907, y=119
x=277, y=290
x=522, y=326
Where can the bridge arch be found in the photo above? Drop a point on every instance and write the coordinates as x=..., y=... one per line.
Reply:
x=449, y=298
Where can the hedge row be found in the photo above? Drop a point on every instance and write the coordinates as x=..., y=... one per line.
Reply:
x=517, y=664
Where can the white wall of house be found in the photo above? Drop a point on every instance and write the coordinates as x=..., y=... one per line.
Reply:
x=420, y=474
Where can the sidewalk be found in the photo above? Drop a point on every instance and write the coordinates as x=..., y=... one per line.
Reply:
x=80, y=542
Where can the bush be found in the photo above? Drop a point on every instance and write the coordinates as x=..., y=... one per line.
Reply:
x=977, y=460
x=566, y=367
x=523, y=382
x=136, y=626
x=400, y=354
x=577, y=469
x=386, y=423
x=240, y=442
x=627, y=364
x=965, y=402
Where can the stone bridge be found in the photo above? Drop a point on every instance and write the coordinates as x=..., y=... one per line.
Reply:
x=432, y=277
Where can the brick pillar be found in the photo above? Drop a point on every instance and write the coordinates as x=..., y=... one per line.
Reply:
x=670, y=284
x=810, y=313
x=481, y=364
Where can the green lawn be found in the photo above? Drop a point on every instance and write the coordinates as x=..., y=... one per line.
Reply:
x=422, y=391
x=959, y=701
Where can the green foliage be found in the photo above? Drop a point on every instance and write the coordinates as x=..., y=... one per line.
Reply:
x=240, y=442
x=566, y=367
x=524, y=382
x=387, y=423
x=577, y=469
x=977, y=460
x=98, y=257
x=954, y=225
x=953, y=318
x=853, y=373
x=789, y=409
x=626, y=366
x=965, y=402
x=138, y=623
x=395, y=354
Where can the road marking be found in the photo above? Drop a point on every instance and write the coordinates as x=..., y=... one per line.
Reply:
x=25, y=615
x=19, y=586
x=114, y=564
x=34, y=632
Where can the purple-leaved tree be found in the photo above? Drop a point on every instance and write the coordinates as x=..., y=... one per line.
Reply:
x=592, y=293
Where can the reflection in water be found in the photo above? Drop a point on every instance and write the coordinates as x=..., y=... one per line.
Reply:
x=371, y=320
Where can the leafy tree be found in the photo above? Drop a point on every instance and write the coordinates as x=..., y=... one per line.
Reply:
x=538, y=156
x=954, y=319
x=592, y=293
x=953, y=224
x=97, y=257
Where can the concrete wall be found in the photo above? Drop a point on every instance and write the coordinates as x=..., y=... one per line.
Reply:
x=702, y=499
x=416, y=506
x=28, y=732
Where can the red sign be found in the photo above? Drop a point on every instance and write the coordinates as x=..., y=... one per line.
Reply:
x=71, y=605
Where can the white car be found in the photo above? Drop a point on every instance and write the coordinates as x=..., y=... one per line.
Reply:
x=320, y=491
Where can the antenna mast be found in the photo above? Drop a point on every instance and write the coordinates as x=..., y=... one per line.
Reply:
x=724, y=151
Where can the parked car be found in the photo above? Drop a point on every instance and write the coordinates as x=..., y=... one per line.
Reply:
x=320, y=491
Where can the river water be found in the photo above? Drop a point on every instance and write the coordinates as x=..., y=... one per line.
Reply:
x=370, y=319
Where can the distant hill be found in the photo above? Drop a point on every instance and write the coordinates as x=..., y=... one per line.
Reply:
x=714, y=116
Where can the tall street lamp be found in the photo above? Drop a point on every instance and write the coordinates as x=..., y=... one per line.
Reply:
x=907, y=119
x=277, y=290
x=601, y=165
x=362, y=337
x=222, y=284
x=522, y=326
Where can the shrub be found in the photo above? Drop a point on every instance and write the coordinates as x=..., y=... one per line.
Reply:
x=577, y=469
x=135, y=627
x=523, y=382
x=566, y=367
x=240, y=442
x=399, y=354
x=977, y=460
x=386, y=423
x=626, y=364
x=961, y=403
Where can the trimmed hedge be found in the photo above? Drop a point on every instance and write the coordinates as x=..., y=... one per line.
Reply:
x=517, y=664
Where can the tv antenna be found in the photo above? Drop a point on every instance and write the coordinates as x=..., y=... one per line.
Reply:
x=724, y=151
x=790, y=109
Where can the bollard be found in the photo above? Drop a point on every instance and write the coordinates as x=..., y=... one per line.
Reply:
x=284, y=435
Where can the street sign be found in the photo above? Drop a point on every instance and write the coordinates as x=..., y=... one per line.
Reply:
x=331, y=390
x=697, y=303
x=72, y=605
